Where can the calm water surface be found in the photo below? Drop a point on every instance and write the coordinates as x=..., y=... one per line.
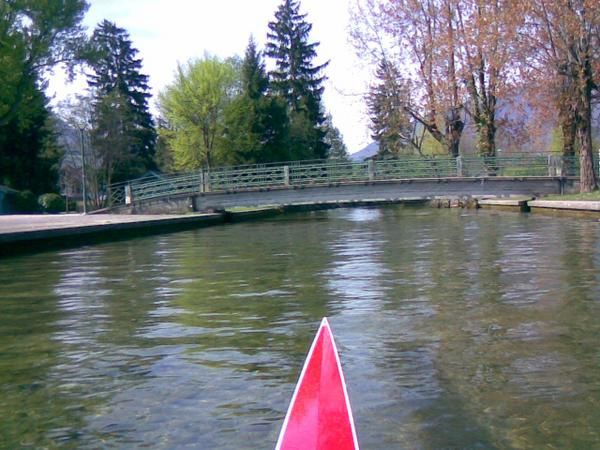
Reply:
x=456, y=330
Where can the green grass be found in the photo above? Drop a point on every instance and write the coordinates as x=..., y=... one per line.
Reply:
x=591, y=196
x=237, y=209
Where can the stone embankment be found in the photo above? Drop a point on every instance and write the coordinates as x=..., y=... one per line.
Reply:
x=31, y=233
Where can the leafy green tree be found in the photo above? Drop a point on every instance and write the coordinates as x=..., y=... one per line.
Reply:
x=34, y=37
x=194, y=107
x=117, y=78
x=297, y=79
x=335, y=141
x=256, y=121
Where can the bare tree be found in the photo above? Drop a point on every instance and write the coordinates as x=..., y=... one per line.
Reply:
x=486, y=32
x=563, y=45
x=419, y=37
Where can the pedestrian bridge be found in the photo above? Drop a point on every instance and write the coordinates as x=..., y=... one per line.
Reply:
x=315, y=182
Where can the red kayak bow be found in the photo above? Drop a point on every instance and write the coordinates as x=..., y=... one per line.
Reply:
x=319, y=416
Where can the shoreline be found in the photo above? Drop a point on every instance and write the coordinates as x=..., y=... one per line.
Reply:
x=21, y=234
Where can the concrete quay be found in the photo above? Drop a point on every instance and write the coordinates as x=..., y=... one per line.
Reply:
x=568, y=205
x=28, y=233
x=522, y=204
x=531, y=204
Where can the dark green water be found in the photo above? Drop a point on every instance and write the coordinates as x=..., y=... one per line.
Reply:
x=456, y=330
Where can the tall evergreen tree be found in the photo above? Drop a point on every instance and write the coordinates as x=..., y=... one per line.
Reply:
x=391, y=125
x=297, y=79
x=29, y=156
x=256, y=122
x=117, y=76
x=333, y=137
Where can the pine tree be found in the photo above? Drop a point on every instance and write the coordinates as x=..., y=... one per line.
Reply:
x=297, y=79
x=256, y=121
x=255, y=80
x=117, y=75
x=28, y=153
x=333, y=137
x=390, y=124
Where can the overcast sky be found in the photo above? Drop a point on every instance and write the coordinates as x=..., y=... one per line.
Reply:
x=169, y=31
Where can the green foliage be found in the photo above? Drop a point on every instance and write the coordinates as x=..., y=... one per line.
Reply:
x=390, y=123
x=335, y=141
x=297, y=79
x=163, y=156
x=22, y=202
x=431, y=147
x=256, y=123
x=194, y=107
x=117, y=82
x=51, y=203
x=28, y=153
x=556, y=142
x=34, y=36
x=111, y=137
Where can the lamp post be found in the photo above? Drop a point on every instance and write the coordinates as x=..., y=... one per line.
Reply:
x=83, y=181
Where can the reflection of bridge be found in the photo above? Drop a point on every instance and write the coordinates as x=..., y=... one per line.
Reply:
x=327, y=181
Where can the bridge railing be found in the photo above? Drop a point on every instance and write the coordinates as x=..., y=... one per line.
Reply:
x=416, y=168
x=331, y=172
x=323, y=172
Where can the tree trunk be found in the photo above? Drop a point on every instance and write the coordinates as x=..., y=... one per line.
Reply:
x=454, y=129
x=567, y=118
x=486, y=144
x=568, y=125
x=587, y=171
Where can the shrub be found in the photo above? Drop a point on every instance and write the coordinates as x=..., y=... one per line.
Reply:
x=51, y=203
x=22, y=202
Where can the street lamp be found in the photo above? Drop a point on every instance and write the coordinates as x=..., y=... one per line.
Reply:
x=83, y=181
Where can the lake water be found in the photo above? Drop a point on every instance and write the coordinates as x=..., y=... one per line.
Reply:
x=457, y=329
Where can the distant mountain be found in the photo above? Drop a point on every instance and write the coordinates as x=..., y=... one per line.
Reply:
x=367, y=152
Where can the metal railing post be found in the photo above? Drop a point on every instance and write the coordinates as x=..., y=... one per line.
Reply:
x=286, y=175
x=371, y=169
x=459, y=166
x=202, y=180
x=128, y=194
x=206, y=176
